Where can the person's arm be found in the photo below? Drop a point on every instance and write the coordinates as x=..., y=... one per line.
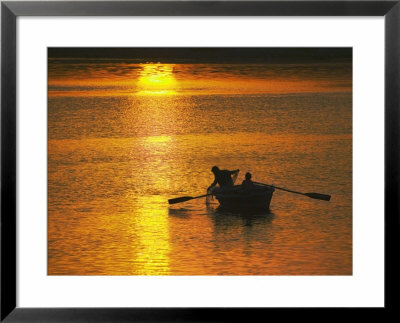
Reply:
x=234, y=171
x=212, y=185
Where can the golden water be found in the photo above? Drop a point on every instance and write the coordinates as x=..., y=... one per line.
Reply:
x=119, y=150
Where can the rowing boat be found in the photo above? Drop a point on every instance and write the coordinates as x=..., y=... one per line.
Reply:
x=238, y=197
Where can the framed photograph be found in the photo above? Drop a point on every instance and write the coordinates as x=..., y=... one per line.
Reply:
x=198, y=161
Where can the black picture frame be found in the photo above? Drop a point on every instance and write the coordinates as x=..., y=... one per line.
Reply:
x=10, y=10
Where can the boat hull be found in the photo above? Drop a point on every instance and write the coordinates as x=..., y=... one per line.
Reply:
x=239, y=198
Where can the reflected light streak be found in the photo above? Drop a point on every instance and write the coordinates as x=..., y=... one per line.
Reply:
x=152, y=256
x=158, y=139
x=157, y=79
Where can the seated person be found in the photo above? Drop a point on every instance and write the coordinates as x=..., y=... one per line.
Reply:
x=247, y=183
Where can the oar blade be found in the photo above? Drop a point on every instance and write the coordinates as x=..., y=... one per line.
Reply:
x=318, y=196
x=180, y=199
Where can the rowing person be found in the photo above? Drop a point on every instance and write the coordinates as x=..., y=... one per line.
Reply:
x=222, y=177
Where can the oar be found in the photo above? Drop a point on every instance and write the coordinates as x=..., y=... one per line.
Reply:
x=316, y=196
x=185, y=198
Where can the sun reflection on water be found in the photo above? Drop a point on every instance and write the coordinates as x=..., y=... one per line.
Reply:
x=152, y=256
x=157, y=79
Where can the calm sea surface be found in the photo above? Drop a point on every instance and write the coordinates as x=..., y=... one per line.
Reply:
x=114, y=161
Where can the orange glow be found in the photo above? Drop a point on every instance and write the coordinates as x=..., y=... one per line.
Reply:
x=187, y=79
x=124, y=136
x=156, y=79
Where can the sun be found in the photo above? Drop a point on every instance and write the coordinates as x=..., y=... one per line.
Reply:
x=157, y=79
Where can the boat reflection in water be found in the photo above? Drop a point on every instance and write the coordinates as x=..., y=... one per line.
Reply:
x=243, y=217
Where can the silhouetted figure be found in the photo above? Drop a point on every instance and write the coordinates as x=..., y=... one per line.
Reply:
x=247, y=183
x=222, y=177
